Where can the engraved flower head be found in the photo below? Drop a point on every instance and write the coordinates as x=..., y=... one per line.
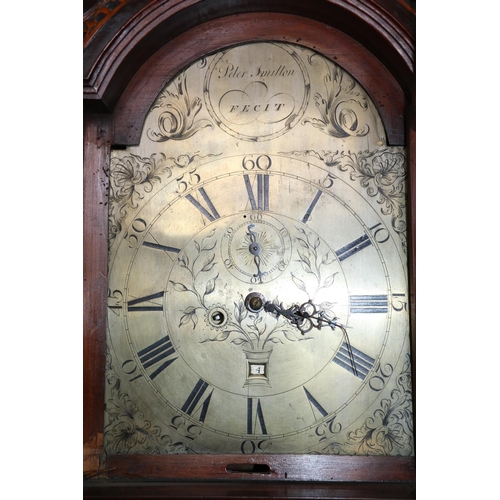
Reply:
x=124, y=435
x=129, y=172
x=393, y=440
x=388, y=169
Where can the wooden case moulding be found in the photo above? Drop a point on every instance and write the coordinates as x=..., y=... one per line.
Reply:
x=129, y=37
x=352, y=56
x=127, y=61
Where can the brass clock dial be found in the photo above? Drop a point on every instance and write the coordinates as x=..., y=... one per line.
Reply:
x=262, y=172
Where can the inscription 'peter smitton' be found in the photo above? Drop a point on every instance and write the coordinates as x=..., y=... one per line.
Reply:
x=249, y=94
x=232, y=71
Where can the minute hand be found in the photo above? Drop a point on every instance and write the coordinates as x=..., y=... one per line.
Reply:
x=303, y=318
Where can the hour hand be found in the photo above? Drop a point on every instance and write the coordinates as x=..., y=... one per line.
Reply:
x=300, y=316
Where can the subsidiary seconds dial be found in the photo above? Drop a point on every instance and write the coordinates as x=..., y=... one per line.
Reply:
x=256, y=248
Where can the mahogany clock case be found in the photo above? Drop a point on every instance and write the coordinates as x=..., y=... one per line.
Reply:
x=120, y=87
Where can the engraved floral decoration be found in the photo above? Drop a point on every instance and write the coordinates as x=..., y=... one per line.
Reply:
x=132, y=176
x=195, y=268
x=342, y=107
x=390, y=430
x=127, y=431
x=381, y=172
x=177, y=120
x=247, y=330
x=313, y=263
x=251, y=331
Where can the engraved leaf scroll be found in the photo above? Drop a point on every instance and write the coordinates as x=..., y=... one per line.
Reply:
x=177, y=118
x=341, y=108
x=132, y=176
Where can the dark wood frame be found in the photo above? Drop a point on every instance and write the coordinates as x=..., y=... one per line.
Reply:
x=126, y=63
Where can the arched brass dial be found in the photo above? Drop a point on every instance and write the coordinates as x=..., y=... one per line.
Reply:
x=257, y=265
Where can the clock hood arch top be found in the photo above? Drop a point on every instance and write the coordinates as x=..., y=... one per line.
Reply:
x=131, y=38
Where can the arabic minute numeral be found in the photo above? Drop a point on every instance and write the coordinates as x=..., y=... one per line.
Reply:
x=115, y=301
x=186, y=180
x=327, y=428
x=263, y=162
x=260, y=199
x=327, y=183
x=380, y=377
x=398, y=303
x=129, y=367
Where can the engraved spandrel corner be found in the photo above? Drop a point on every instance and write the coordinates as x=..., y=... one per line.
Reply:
x=128, y=430
x=133, y=176
x=380, y=173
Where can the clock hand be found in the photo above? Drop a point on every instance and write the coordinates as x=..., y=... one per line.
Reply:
x=255, y=248
x=304, y=317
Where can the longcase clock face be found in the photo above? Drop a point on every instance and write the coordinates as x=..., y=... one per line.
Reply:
x=258, y=296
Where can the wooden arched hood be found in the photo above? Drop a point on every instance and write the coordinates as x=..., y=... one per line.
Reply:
x=132, y=48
